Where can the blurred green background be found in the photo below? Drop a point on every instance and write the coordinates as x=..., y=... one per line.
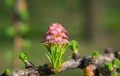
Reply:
x=95, y=24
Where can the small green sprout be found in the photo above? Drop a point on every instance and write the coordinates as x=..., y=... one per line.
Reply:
x=116, y=62
x=7, y=71
x=109, y=66
x=73, y=45
x=95, y=54
x=23, y=56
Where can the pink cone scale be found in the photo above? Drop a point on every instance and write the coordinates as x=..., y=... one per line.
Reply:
x=56, y=34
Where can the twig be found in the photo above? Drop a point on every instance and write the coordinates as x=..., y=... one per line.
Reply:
x=80, y=62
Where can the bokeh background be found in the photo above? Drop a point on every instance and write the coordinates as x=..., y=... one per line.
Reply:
x=95, y=24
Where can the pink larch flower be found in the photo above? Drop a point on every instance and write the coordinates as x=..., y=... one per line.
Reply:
x=56, y=34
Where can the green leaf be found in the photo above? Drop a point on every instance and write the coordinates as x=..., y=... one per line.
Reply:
x=23, y=56
x=109, y=66
x=55, y=54
x=47, y=46
x=73, y=45
x=49, y=57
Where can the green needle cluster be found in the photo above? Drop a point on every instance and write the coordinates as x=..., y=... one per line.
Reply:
x=109, y=66
x=116, y=62
x=95, y=54
x=55, y=54
x=73, y=45
x=23, y=56
x=7, y=71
